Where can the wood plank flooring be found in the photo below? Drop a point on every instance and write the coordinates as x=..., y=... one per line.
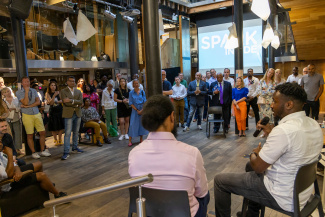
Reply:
x=100, y=166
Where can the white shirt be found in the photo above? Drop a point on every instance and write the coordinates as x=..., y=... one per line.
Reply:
x=108, y=99
x=253, y=86
x=179, y=91
x=130, y=85
x=230, y=80
x=3, y=173
x=292, y=78
x=295, y=142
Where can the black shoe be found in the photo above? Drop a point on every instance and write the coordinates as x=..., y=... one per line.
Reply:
x=61, y=194
x=99, y=144
x=216, y=130
x=226, y=131
x=107, y=141
x=247, y=128
x=183, y=125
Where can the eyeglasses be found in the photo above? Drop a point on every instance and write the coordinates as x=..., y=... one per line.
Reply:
x=111, y=96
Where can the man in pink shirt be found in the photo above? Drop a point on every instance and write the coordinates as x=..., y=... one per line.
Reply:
x=174, y=164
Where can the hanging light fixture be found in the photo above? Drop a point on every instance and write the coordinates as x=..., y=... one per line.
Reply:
x=232, y=41
x=292, y=50
x=276, y=40
x=268, y=36
x=261, y=8
x=61, y=57
x=109, y=14
x=94, y=58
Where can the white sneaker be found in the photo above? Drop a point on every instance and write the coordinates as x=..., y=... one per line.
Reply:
x=35, y=155
x=45, y=153
x=186, y=129
x=199, y=127
x=121, y=137
x=126, y=136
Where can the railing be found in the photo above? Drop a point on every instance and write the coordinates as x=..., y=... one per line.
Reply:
x=137, y=181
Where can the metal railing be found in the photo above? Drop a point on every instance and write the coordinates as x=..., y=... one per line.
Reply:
x=137, y=181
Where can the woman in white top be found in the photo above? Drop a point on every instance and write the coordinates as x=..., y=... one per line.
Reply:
x=109, y=105
x=14, y=118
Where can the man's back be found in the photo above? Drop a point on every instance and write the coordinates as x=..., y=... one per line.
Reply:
x=295, y=142
x=174, y=165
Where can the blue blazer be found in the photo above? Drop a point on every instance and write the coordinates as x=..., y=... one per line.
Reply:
x=227, y=94
x=197, y=99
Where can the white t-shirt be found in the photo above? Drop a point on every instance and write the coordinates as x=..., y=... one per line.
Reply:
x=3, y=173
x=292, y=78
x=295, y=142
x=130, y=86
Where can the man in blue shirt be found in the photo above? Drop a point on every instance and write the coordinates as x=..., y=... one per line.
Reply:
x=167, y=87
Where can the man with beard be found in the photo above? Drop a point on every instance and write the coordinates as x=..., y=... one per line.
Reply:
x=295, y=77
x=163, y=151
x=271, y=171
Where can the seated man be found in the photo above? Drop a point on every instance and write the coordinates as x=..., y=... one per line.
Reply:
x=9, y=168
x=295, y=142
x=163, y=151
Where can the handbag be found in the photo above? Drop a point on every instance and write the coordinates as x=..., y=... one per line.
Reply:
x=261, y=100
x=112, y=131
x=126, y=104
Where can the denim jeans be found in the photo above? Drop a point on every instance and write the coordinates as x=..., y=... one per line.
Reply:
x=249, y=184
x=203, y=206
x=186, y=110
x=205, y=109
x=191, y=114
x=71, y=125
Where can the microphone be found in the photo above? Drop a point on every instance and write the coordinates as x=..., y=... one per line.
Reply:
x=264, y=122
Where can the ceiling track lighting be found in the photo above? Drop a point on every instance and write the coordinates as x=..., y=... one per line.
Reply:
x=109, y=14
x=128, y=19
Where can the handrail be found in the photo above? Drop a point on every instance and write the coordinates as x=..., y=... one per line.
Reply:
x=107, y=188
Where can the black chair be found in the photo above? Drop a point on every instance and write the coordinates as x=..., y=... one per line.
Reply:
x=218, y=111
x=305, y=177
x=85, y=130
x=161, y=203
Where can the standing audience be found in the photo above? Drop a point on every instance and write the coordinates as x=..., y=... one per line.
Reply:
x=278, y=77
x=121, y=96
x=226, y=77
x=31, y=117
x=266, y=92
x=179, y=93
x=253, y=85
x=166, y=85
x=81, y=84
x=239, y=95
x=305, y=71
x=206, y=102
x=56, y=122
x=14, y=117
x=109, y=106
x=91, y=94
x=313, y=84
x=294, y=77
x=130, y=84
x=72, y=101
x=91, y=119
x=137, y=98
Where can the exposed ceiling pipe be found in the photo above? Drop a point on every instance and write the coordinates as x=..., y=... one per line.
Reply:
x=110, y=4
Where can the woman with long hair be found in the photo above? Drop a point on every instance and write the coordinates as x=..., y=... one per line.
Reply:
x=278, y=77
x=239, y=95
x=136, y=100
x=121, y=96
x=266, y=92
x=91, y=119
x=80, y=84
x=56, y=122
x=14, y=117
x=90, y=93
x=109, y=105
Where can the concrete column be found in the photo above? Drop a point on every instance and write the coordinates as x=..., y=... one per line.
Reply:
x=152, y=47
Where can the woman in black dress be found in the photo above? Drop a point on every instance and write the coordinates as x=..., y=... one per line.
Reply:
x=121, y=96
x=56, y=122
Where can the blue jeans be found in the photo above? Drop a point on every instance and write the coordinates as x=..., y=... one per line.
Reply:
x=71, y=125
x=250, y=185
x=203, y=206
x=191, y=114
x=186, y=110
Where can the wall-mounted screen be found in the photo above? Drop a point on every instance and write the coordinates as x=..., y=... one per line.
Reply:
x=213, y=55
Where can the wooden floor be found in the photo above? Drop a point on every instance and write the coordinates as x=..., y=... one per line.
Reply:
x=99, y=166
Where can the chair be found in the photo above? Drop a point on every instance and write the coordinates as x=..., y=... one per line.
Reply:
x=161, y=203
x=305, y=177
x=92, y=135
x=8, y=200
x=218, y=111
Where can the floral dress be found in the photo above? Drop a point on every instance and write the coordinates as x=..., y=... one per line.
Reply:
x=266, y=91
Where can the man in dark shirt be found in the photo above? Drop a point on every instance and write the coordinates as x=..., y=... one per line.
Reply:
x=167, y=87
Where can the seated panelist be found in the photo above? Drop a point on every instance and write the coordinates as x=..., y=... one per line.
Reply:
x=295, y=142
x=174, y=164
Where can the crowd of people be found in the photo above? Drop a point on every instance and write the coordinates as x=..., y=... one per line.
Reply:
x=122, y=107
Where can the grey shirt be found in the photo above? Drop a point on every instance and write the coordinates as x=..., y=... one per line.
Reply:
x=32, y=95
x=311, y=85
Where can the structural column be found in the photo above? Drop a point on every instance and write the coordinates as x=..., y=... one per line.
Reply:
x=133, y=47
x=19, y=47
x=271, y=22
x=152, y=47
x=239, y=58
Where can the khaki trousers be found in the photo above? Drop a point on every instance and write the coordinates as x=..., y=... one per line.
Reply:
x=97, y=126
x=179, y=109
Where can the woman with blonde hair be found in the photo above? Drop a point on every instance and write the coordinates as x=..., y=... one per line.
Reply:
x=266, y=92
x=278, y=77
x=239, y=95
x=13, y=117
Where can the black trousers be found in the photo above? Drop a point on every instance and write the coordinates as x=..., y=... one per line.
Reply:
x=225, y=117
x=314, y=106
x=254, y=105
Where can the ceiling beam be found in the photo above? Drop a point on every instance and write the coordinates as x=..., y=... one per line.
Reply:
x=212, y=6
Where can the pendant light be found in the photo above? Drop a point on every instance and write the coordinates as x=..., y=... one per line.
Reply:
x=261, y=8
x=268, y=36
